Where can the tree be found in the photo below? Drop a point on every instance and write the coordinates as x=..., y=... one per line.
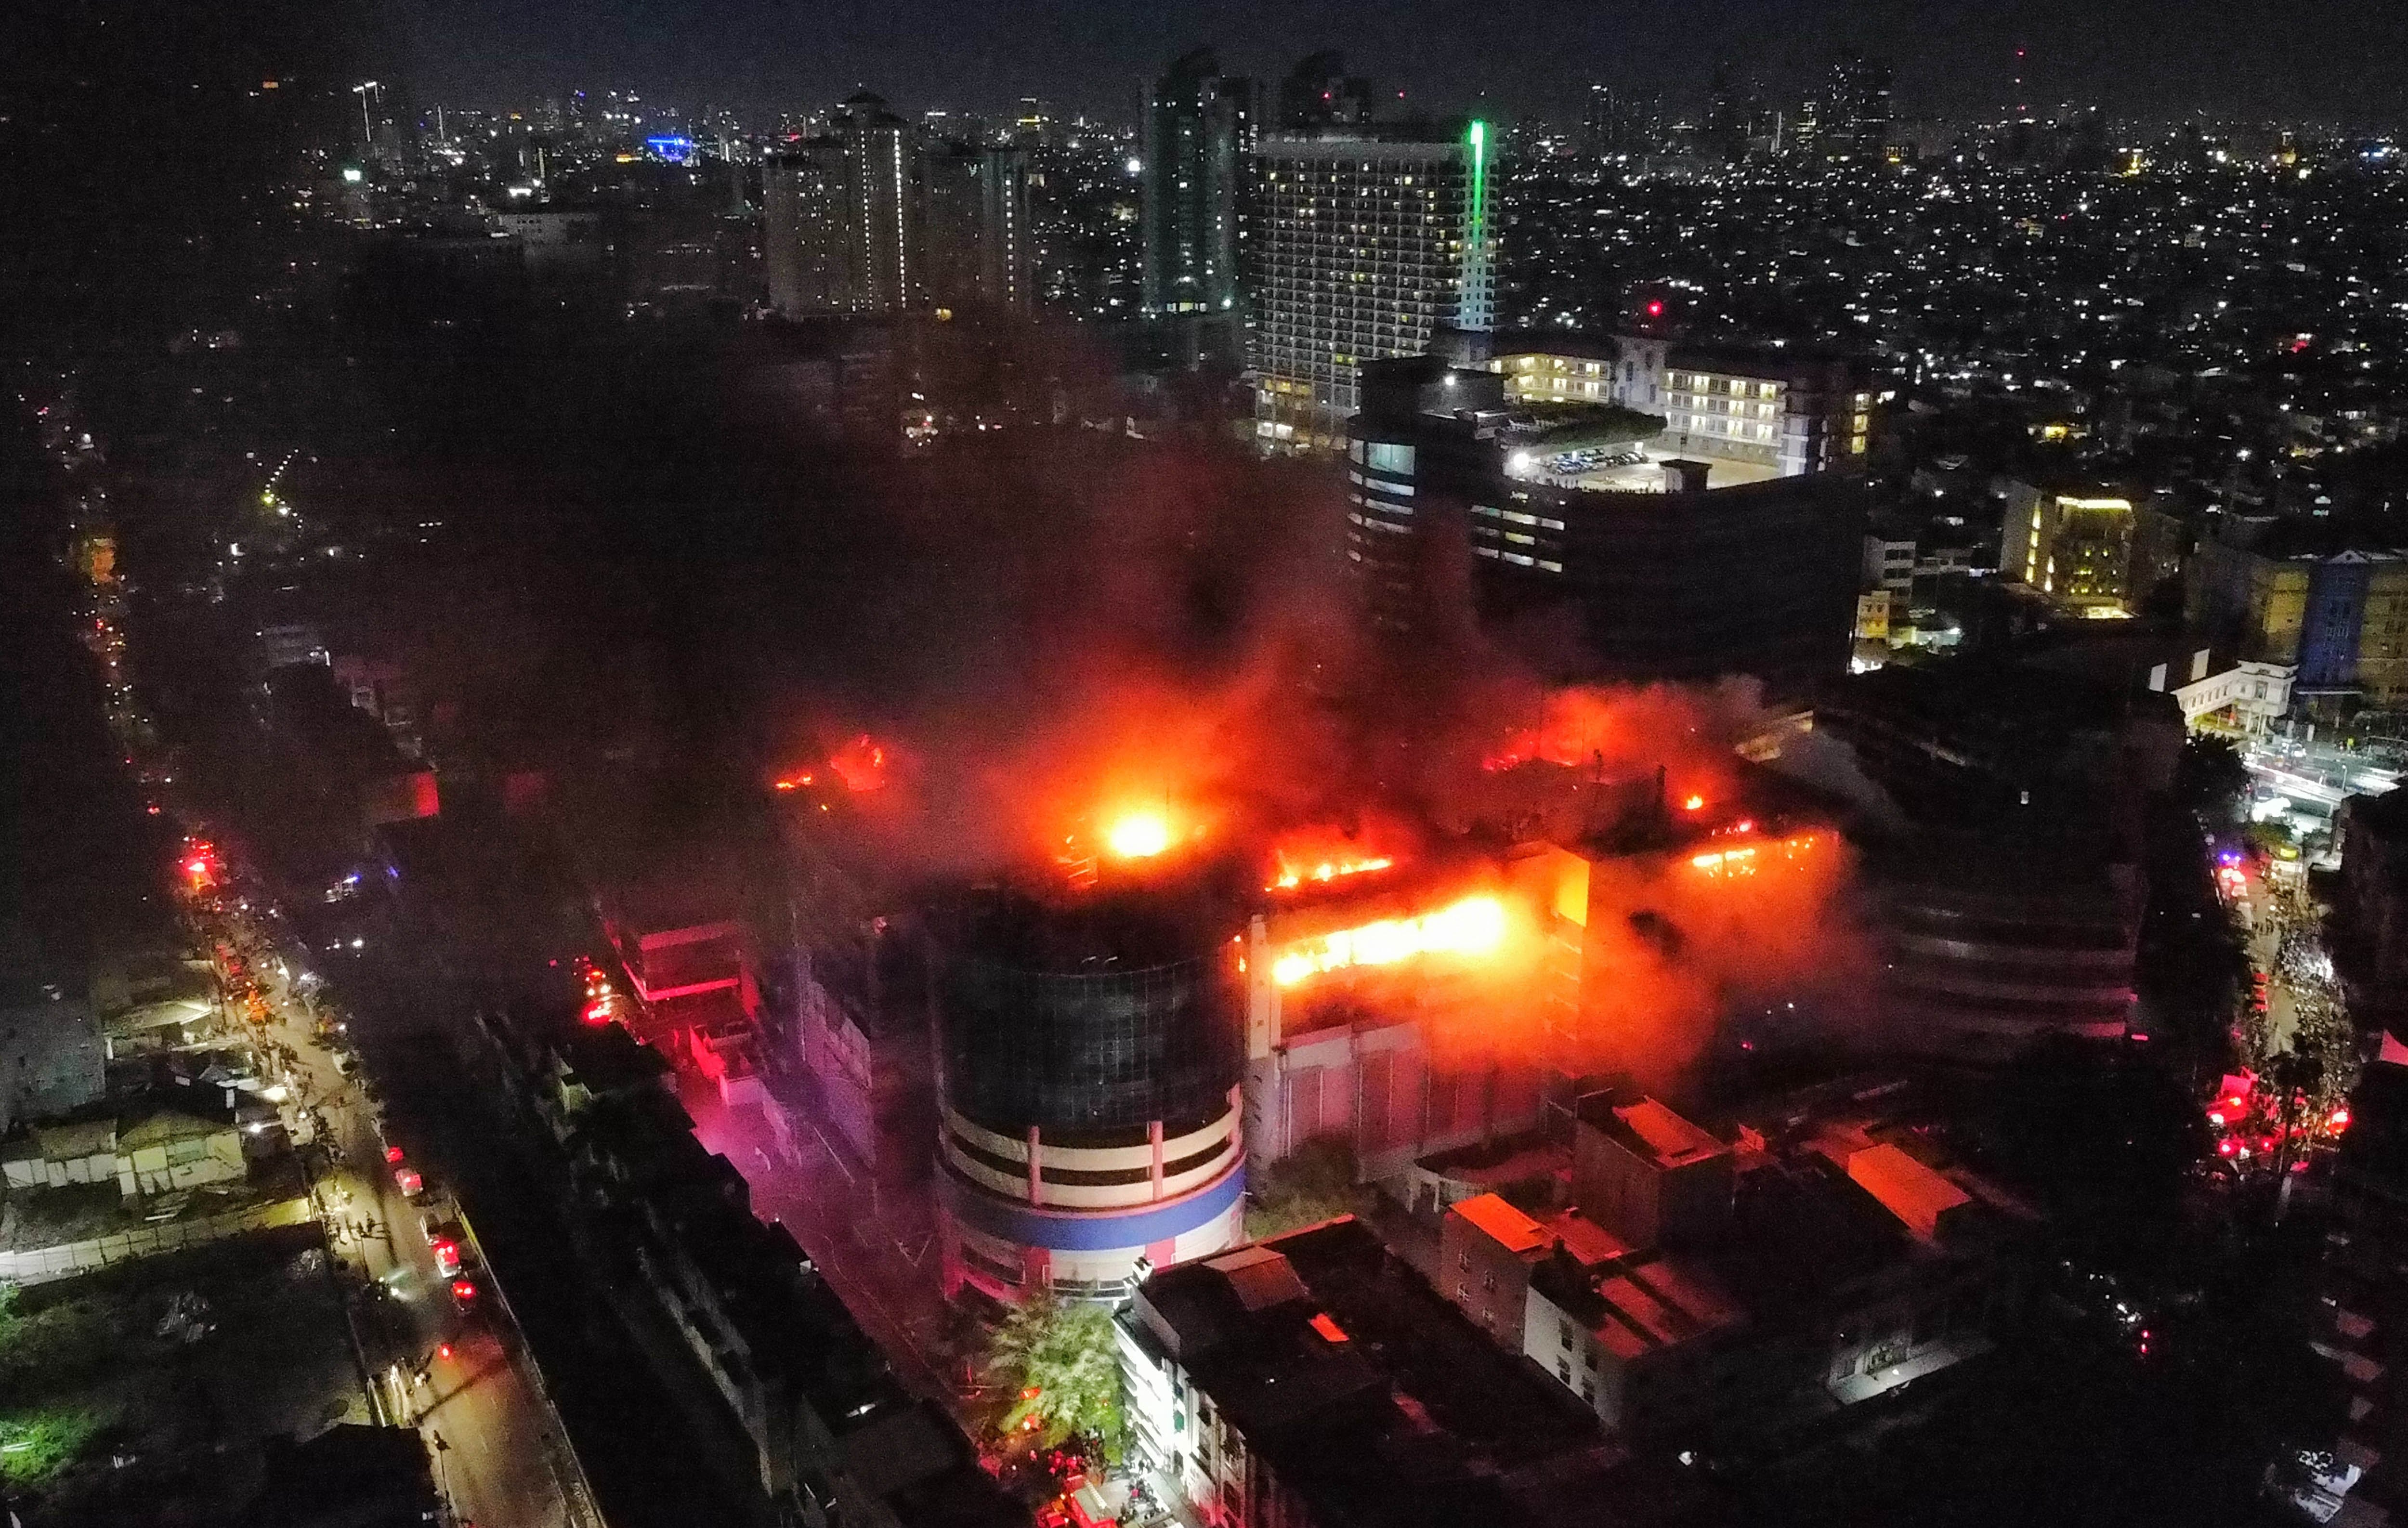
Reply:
x=1061, y=1359
x=1314, y=1184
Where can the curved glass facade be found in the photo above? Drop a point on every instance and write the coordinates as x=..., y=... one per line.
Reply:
x=1079, y=1054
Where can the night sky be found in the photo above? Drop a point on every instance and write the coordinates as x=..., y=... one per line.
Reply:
x=2338, y=60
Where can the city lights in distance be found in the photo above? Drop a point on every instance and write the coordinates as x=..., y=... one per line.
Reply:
x=1474, y=926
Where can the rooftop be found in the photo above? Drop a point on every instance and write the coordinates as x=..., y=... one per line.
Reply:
x=1920, y=1196
x=1639, y=1304
x=1412, y=1416
x=1501, y=1222
x=1649, y=1130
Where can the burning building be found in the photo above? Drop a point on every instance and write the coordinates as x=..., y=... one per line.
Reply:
x=1376, y=1014
x=1089, y=1069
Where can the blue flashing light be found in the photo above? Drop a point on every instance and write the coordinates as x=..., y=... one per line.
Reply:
x=674, y=147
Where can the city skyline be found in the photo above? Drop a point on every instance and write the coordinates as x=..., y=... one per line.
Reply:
x=2138, y=58
x=1061, y=768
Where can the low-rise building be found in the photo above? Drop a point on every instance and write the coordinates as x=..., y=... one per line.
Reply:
x=1315, y=1380
x=835, y=1436
x=165, y=1151
x=1727, y=1288
x=2309, y=598
x=1626, y=370
x=1889, y=562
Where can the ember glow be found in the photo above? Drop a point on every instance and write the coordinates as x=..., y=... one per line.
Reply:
x=1474, y=926
x=860, y=764
x=1746, y=859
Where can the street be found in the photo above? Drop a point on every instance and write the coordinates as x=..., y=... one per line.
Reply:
x=497, y=1448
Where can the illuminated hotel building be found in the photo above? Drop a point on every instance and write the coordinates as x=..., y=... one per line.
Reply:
x=1796, y=417
x=1622, y=369
x=1786, y=416
x=2074, y=549
x=1369, y=246
x=2095, y=551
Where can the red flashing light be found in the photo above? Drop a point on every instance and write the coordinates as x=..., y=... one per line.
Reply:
x=2338, y=1119
x=464, y=1289
x=443, y=1350
x=2227, y=1147
x=1029, y=1424
x=1656, y=310
x=597, y=1012
x=1032, y=1392
x=393, y=1153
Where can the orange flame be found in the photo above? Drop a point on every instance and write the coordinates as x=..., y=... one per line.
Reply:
x=1292, y=874
x=861, y=763
x=1474, y=926
x=1317, y=856
x=1138, y=836
x=1743, y=860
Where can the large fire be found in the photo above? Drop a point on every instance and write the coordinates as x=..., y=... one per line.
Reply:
x=1317, y=856
x=1292, y=874
x=1138, y=836
x=1474, y=926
